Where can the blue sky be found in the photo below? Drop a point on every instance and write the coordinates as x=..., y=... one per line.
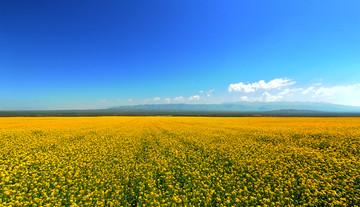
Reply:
x=97, y=54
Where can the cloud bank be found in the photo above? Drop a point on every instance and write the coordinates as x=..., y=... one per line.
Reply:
x=179, y=99
x=194, y=98
x=260, y=85
x=279, y=89
x=283, y=89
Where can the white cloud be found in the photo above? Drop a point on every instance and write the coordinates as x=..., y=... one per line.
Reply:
x=260, y=85
x=241, y=87
x=267, y=97
x=194, y=98
x=179, y=99
x=167, y=100
x=289, y=91
x=308, y=90
x=103, y=101
x=348, y=94
x=285, y=91
x=281, y=89
x=244, y=98
x=156, y=99
x=130, y=100
x=337, y=90
x=208, y=94
x=210, y=91
x=331, y=91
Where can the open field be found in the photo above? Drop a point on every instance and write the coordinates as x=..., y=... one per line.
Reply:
x=167, y=161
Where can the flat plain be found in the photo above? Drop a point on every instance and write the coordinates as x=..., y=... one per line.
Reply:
x=179, y=161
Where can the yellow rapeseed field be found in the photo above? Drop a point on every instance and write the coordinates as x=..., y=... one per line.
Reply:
x=179, y=161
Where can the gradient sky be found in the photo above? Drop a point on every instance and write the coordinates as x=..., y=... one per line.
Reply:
x=95, y=54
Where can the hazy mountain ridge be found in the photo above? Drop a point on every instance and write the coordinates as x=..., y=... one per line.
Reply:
x=242, y=107
x=238, y=109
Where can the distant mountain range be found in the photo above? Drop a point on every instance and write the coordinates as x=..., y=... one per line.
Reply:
x=241, y=107
x=225, y=109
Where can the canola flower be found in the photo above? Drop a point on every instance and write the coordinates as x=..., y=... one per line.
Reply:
x=179, y=161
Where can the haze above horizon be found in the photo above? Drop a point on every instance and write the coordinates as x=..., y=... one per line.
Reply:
x=91, y=54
